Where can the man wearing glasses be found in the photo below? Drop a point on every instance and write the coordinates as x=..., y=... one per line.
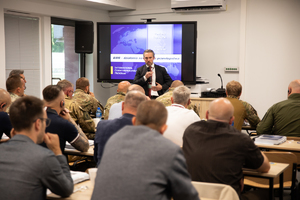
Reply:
x=79, y=115
x=61, y=122
x=27, y=169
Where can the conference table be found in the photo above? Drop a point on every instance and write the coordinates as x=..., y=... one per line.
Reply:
x=276, y=170
x=289, y=145
x=85, y=189
x=89, y=153
x=82, y=191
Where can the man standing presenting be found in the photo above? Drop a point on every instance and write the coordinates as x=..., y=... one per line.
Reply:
x=283, y=118
x=153, y=78
x=27, y=169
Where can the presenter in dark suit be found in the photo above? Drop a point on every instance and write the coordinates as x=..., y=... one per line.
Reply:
x=157, y=78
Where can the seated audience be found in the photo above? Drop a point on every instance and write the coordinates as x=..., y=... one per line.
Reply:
x=166, y=97
x=20, y=73
x=107, y=128
x=85, y=98
x=179, y=117
x=242, y=109
x=27, y=169
x=116, y=109
x=120, y=96
x=283, y=118
x=216, y=152
x=61, y=122
x=139, y=163
x=5, y=125
x=79, y=115
x=68, y=89
x=15, y=86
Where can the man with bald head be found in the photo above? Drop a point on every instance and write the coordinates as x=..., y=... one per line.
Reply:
x=216, y=152
x=166, y=97
x=138, y=163
x=116, y=109
x=120, y=96
x=283, y=118
x=107, y=128
x=5, y=125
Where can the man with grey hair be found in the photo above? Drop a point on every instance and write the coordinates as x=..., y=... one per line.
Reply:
x=116, y=109
x=216, y=152
x=138, y=163
x=179, y=117
x=68, y=89
x=106, y=128
x=79, y=115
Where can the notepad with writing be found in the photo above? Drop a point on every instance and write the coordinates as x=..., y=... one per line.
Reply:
x=270, y=139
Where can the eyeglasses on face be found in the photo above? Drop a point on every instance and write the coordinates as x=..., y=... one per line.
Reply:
x=47, y=120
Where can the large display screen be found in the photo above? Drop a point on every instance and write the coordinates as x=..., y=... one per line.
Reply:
x=121, y=47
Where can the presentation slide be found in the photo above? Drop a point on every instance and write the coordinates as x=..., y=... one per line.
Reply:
x=128, y=42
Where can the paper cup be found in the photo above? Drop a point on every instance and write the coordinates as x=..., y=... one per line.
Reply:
x=92, y=173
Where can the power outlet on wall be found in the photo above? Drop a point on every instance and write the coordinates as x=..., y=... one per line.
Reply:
x=231, y=69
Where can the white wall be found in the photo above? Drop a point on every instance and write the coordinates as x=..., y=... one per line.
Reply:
x=45, y=10
x=218, y=35
x=272, y=51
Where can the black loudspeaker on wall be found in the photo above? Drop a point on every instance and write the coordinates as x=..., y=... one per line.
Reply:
x=84, y=36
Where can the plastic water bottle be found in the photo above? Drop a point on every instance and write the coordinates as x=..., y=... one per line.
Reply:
x=98, y=113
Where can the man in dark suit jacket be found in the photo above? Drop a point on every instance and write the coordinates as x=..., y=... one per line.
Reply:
x=158, y=78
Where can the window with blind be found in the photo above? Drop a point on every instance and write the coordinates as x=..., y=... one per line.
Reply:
x=22, y=49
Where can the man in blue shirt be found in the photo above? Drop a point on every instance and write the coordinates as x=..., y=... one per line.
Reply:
x=61, y=122
x=107, y=128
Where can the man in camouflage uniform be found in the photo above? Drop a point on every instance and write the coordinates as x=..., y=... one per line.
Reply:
x=79, y=115
x=242, y=109
x=68, y=89
x=85, y=98
x=120, y=96
x=166, y=97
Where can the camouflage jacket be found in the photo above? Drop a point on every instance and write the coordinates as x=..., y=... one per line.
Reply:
x=120, y=96
x=251, y=114
x=13, y=97
x=86, y=101
x=83, y=119
x=68, y=102
x=166, y=100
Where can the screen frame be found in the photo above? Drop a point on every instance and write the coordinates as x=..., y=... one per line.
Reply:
x=188, y=70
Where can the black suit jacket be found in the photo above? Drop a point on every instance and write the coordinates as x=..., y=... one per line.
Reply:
x=162, y=77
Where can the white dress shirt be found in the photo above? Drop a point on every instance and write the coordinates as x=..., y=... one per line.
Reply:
x=153, y=93
x=179, y=118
